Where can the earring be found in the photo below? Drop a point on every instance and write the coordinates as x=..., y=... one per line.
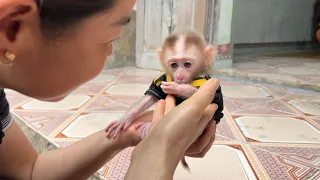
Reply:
x=9, y=57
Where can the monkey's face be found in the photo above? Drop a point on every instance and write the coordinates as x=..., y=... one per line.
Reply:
x=184, y=57
x=185, y=64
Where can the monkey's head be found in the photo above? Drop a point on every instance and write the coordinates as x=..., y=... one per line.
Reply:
x=185, y=55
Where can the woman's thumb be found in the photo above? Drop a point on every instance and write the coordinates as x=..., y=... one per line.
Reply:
x=204, y=96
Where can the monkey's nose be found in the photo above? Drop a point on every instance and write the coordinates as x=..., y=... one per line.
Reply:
x=180, y=77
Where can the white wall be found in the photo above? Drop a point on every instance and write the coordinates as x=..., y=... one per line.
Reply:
x=265, y=21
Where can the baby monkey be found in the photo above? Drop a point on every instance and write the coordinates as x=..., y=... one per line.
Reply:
x=186, y=59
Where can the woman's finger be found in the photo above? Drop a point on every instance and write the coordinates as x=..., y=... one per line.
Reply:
x=203, y=140
x=203, y=97
x=170, y=104
x=158, y=113
x=204, y=151
x=208, y=115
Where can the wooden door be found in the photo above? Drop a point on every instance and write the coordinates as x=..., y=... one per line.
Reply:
x=156, y=19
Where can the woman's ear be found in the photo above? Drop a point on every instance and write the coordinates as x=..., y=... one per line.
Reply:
x=15, y=17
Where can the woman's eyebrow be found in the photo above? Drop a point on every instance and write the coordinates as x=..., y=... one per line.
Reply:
x=122, y=21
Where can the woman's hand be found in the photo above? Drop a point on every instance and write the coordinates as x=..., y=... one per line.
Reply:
x=203, y=143
x=174, y=133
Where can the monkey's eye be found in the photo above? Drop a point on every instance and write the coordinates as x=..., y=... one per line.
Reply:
x=173, y=65
x=187, y=64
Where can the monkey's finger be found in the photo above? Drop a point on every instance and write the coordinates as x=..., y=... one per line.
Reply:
x=119, y=127
x=128, y=124
x=116, y=133
x=111, y=129
x=109, y=134
x=110, y=125
x=166, y=83
x=203, y=97
x=170, y=104
x=112, y=134
x=139, y=125
x=166, y=88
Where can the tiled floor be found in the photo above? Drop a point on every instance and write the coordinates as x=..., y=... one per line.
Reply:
x=268, y=132
x=290, y=71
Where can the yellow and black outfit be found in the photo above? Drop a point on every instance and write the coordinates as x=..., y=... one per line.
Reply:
x=156, y=91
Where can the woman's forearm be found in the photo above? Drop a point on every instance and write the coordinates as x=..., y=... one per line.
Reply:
x=79, y=160
x=152, y=162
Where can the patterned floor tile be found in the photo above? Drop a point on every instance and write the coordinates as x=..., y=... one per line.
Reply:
x=315, y=81
x=278, y=92
x=224, y=132
x=102, y=78
x=299, y=71
x=71, y=102
x=276, y=108
x=244, y=91
x=116, y=71
x=308, y=107
x=104, y=99
x=44, y=122
x=246, y=70
x=135, y=79
x=118, y=166
x=16, y=99
x=313, y=65
x=112, y=103
x=304, y=96
x=63, y=144
x=89, y=89
x=236, y=104
x=277, y=61
x=295, y=72
x=275, y=77
x=128, y=89
x=87, y=124
x=250, y=65
x=283, y=163
x=142, y=72
x=278, y=129
x=317, y=119
x=213, y=165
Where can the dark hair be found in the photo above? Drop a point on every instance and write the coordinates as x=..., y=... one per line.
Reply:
x=58, y=16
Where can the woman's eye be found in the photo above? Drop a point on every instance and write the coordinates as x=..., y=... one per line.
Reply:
x=174, y=65
x=187, y=64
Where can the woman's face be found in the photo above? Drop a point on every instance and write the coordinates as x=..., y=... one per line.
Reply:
x=51, y=70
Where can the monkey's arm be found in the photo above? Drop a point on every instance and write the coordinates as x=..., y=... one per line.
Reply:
x=146, y=102
x=152, y=95
x=127, y=119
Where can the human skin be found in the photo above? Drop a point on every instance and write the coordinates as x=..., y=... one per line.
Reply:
x=194, y=114
x=49, y=71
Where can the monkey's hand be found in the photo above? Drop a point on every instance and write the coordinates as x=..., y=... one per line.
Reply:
x=114, y=128
x=184, y=90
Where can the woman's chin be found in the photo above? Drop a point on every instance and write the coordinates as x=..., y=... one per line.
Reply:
x=53, y=99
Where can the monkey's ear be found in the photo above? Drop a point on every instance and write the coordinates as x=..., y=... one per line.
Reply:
x=208, y=51
x=159, y=52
